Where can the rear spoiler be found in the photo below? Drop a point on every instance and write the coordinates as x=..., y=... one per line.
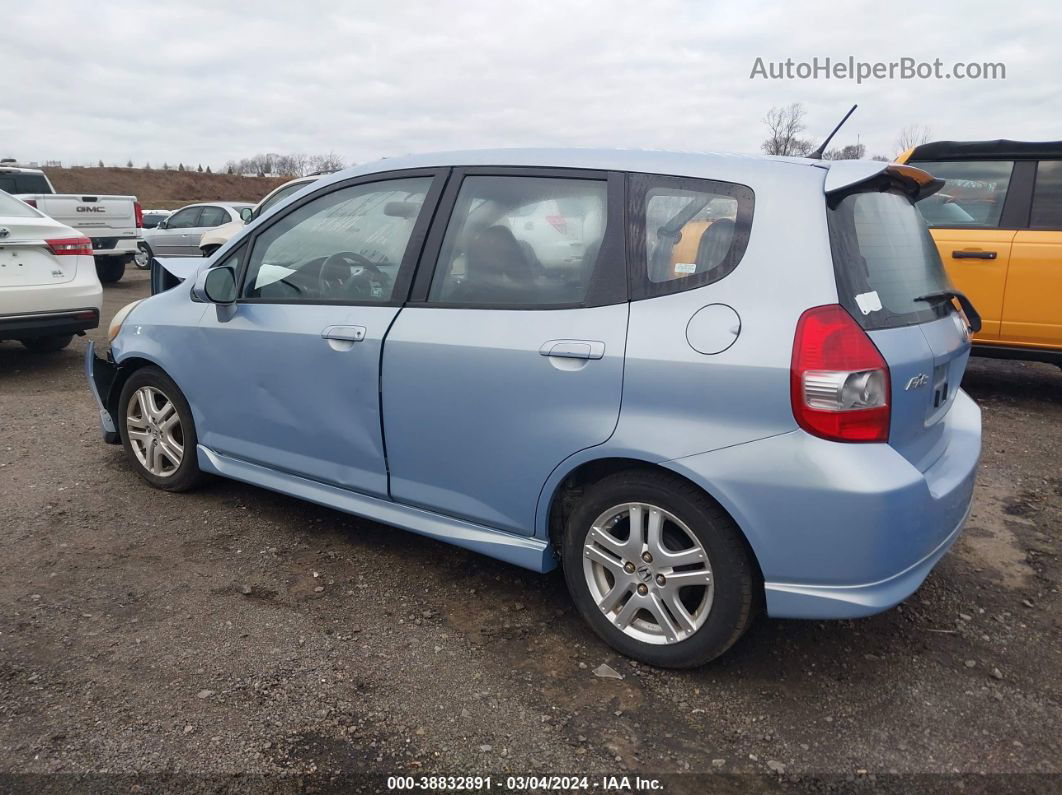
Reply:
x=167, y=273
x=845, y=174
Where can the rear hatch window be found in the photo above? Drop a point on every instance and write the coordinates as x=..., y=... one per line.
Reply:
x=884, y=258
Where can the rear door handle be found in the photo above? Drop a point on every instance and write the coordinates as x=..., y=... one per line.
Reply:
x=344, y=333
x=973, y=254
x=573, y=349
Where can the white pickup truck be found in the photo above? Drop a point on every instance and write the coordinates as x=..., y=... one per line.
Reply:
x=112, y=222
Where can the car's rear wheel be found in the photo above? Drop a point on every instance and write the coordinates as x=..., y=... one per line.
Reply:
x=157, y=431
x=658, y=569
x=142, y=258
x=50, y=344
x=110, y=269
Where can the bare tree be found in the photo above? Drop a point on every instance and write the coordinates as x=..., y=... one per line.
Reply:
x=913, y=135
x=327, y=163
x=784, y=125
x=849, y=152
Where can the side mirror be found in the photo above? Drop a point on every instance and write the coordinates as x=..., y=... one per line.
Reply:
x=247, y=214
x=163, y=224
x=215, y=285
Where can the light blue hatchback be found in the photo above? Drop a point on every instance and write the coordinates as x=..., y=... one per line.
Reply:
x=701, y=383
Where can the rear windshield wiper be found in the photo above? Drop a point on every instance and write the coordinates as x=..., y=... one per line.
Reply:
x=967, y=305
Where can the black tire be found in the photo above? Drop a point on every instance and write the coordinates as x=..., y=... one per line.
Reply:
x=187, y=475
x=145, y=255
x=110, y=269
x=208, y=251
x=51, y=344
x=737, y=585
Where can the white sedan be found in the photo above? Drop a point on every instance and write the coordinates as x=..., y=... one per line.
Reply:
x=49, y=290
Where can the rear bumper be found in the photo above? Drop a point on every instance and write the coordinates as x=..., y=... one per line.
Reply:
x=843, y=530
x=113, y=246
x=101, y=377
x=47, y=324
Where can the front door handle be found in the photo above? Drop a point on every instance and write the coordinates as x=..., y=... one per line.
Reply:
x=973, y=254
x=344, y=333
x=573, y=349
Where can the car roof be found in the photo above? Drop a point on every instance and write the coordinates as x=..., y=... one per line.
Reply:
x=11, y=167
x=716, y=165
x=235, y=205
x=999, y=149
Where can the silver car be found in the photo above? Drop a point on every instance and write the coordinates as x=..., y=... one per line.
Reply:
x=178, y=235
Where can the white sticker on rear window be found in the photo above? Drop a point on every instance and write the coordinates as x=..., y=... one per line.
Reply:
x=685, y=267
x=868, y=302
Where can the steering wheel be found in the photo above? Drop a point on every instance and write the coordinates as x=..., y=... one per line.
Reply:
x=352, y=274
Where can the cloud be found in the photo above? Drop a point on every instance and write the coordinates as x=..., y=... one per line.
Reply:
x=203, y=82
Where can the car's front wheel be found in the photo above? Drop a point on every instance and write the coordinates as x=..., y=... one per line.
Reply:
x=658, y=569
x=157, y=431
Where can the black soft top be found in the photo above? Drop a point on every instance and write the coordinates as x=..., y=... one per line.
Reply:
x=1001, y=149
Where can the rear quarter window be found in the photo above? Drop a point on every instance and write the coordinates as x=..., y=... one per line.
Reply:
x=884, y=258
x=685, y=233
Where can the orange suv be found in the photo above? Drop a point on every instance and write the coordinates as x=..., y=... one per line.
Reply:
x=998, y=225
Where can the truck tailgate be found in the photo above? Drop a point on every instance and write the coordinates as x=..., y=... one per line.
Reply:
x=96, y=216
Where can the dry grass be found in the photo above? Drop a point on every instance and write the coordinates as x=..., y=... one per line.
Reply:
x=162, y=189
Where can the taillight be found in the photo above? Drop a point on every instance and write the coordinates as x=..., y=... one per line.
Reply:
x=558, y=222
x=139, y=212
x=839, y=381
x=31, y=202
x=68, y=246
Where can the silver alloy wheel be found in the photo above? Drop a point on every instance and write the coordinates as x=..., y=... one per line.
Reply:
x=141, y=259
x=648, y=573
x=155, y=433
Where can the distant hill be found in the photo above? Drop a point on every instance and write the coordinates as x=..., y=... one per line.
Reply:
x=158, y=189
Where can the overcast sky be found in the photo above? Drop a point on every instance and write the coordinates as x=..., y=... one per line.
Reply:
x=203, y=82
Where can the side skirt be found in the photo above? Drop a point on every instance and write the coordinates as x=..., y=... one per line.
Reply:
x=530, y=553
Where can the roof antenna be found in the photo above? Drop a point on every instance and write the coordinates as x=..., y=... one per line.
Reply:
x=818, y=153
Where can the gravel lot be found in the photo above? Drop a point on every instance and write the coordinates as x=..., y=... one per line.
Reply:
x=234, y=630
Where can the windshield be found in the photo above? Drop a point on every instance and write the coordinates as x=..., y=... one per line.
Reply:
x=885, y=259
x=280, y=195
x=11, y=207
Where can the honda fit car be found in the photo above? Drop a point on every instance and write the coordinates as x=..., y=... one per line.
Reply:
x=738, y=390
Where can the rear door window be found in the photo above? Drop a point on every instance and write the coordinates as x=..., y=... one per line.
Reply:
x=685, y=233
x=1047, y=196
x=884, y=259
x=213, y=216
x=521, y=241
x=973, y=192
